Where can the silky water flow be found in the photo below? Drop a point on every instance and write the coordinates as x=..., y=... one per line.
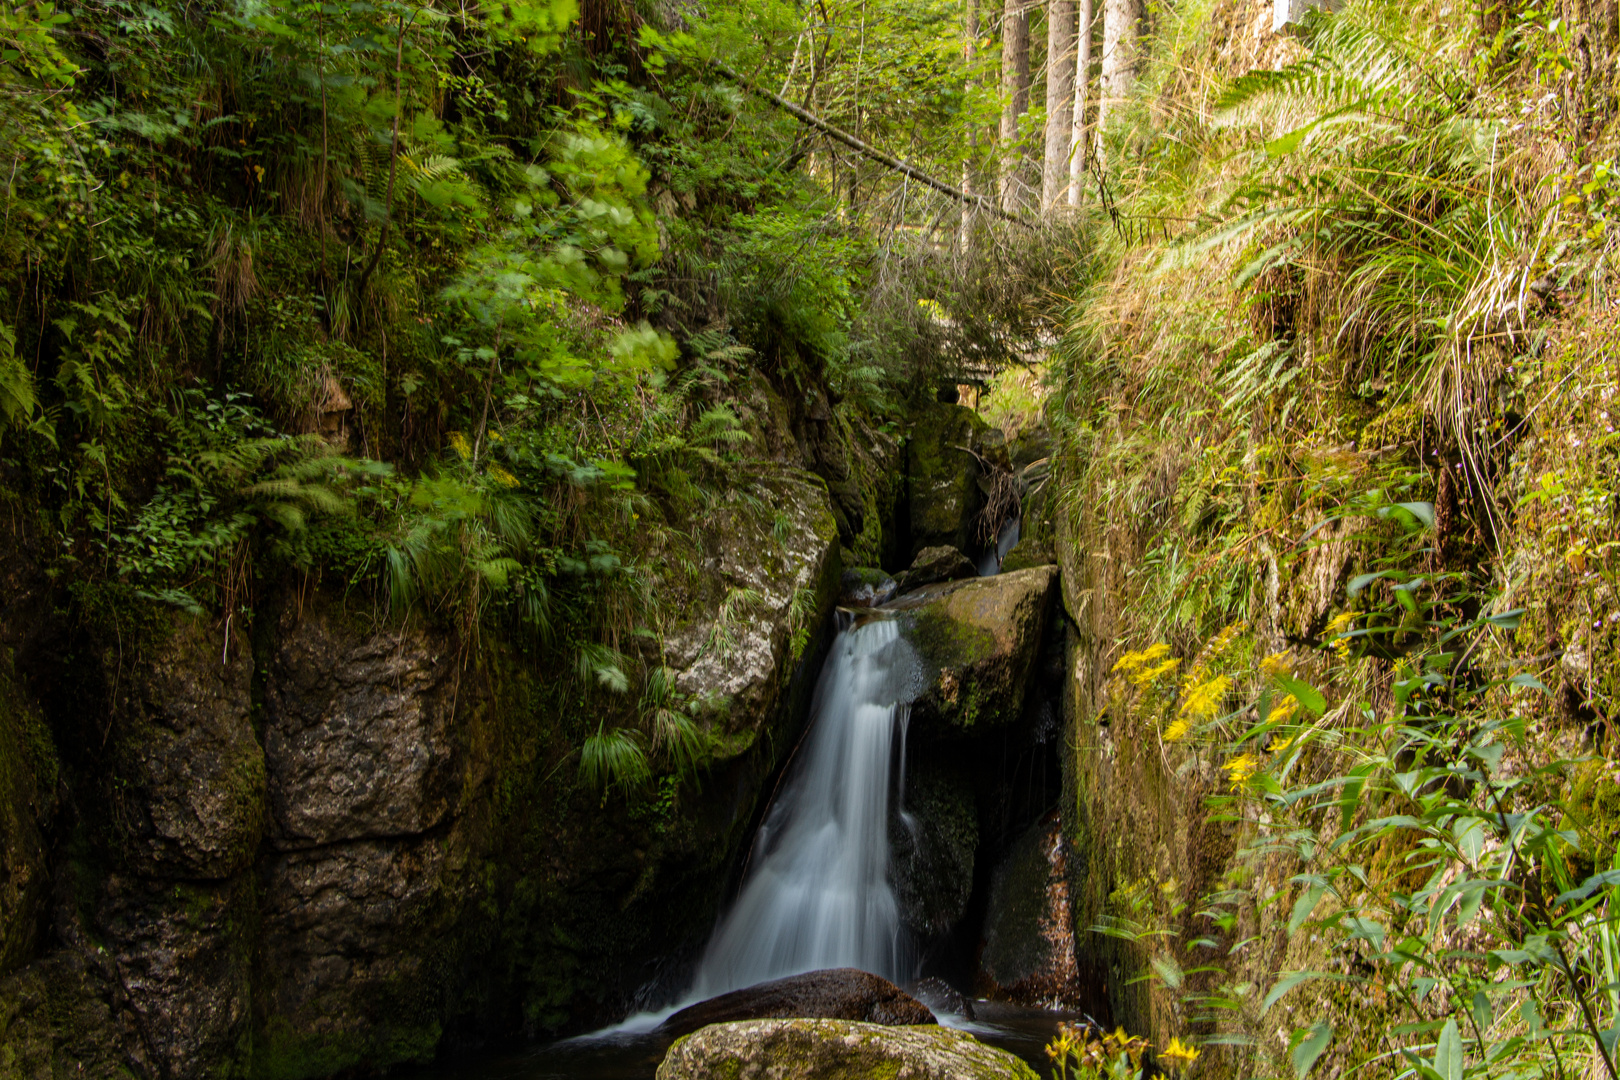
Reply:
x=816, y=893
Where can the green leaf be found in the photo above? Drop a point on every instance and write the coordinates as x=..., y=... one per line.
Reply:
x=1448, y=1053
x=1304, y=693
x=1361, y=581
x=1304, y=906
x=1169, y=971
x=1309, y=1048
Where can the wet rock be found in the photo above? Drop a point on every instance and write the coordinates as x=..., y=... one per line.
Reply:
x=26, y=802
x=358, y=731
x=1027, y=553
x=836, y=1050
x=769, y=576
x=835, y=994
x=977, y=640
x=864, y=586
x=188, y=785
x=182, y=954
x=1029, y=949
x=941, y=997
x=931, y=846
x=63, y=1017
x=942, y=476
x=351, y=933
x=933, y=565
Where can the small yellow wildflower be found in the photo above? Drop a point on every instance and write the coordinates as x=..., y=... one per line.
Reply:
x=502, y=477
x=1179, y=1052
x=1177, y=730
x=1240, y=769
x=1201, y=702
x=1277, y=664
x=1335, y=632
x=1132, y=662
x=459, y=443
x=1283, y=711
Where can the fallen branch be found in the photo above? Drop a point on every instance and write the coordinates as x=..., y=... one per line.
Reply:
x=869, y=151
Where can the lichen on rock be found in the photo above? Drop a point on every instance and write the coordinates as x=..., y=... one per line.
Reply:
x=836, y=1050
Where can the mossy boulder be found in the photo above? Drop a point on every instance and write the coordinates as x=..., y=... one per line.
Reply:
x=931, y=845
x=942, y=476
x=1029, y=951
x=188, y=778
x=865, y=586
x=1029, y=551
x=836, y=1050
x=977, y=641
x=932, y=565
x=61, y=1018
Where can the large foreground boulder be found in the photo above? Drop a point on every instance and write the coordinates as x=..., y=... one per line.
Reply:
x=836, y=1050
x=978, y=641
x=835, y=994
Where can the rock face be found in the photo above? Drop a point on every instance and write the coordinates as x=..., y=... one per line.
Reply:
x=978, y=640
x=836, y=994
x=189, y=781
x=1029, y=950
x=836, y=1050
x=357, y=732
x=931, y=848
x=934, y=565
x=942, y=487
x=26, y=800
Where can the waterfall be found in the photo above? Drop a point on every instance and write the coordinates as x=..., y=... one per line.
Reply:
x=817, y=892
x=1006, y=537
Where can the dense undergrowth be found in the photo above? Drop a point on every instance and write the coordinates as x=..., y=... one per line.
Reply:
x=1353, y=518
x=452, y=311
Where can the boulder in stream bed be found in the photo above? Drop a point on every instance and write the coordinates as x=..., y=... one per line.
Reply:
x=800, y=1049
x=1029, y=948
x=978, y=641
x=933, y=565
x=835, y=994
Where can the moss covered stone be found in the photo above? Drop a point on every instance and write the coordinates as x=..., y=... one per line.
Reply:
x=977, y=640
x=836, y=1050
x=942, y=477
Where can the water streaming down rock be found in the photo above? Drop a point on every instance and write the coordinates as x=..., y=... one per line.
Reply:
x=1006, y=537
x=817, y=892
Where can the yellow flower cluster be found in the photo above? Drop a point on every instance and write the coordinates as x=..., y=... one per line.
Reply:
x=459, y=443
x=502, y=477
x=1278, y=663
x=1179, y=1052
x=1148, y=665
x=1240, y=770
x=1335, y=631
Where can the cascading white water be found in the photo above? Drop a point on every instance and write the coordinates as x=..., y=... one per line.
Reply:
x=817, y=892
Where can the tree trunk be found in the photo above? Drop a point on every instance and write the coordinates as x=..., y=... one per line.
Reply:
x=1121, y=28
x=1079, y=143
x=1059, y=102
x=970, y=56
x=1015, y=90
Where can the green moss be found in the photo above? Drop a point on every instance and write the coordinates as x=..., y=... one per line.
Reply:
x=282, y=1052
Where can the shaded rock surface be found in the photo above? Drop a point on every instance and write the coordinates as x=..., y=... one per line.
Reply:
x=835, y=994
x=941, y=997
x=836, y=1050
x=931, y=848
x=978, y=641
x=26, y=803
x=1029, y=949
x=933, y=565
x=865, y=586
x=942, y=476
x=358, y=730
x=188, y=775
